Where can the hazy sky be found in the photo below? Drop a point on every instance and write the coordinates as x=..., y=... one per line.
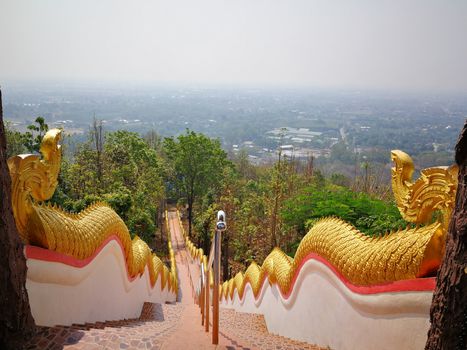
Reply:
x=393, y=44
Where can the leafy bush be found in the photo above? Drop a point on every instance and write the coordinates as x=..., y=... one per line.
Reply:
x=369, y=215
x=120, y=201
x=141, y=223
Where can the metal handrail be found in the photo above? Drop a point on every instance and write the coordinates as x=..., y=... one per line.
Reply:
x=202, y=275
x=211, y=256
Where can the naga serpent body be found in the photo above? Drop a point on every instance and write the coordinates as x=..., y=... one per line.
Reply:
x=78, y=235
x=364, y=260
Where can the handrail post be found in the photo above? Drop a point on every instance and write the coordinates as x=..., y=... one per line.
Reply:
x=220, y=227
x=215, y=289
x=201, y=304
x=201, y=292
x=207, y=291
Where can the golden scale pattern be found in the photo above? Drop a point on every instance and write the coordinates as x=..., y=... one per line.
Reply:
x=361, y=259
x=77, y=235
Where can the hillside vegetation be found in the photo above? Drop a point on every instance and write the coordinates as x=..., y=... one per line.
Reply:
x=267, y=205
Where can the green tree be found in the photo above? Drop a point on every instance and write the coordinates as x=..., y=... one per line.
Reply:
x=197, y=164
x=369, y=215
x=204, y=226
x=130, y=179
x=30, y=141
x=340, y=151
x=14, y=141
x=133, y=167
x=81, y=173
x=35, y=133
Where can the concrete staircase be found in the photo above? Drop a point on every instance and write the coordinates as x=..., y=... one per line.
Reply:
x=167, y=326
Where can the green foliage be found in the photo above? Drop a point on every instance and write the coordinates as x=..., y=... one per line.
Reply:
x=340, y=180
x=14, y=141
x=120, y=200
x=340, y=151
x=196, y=166
x=380, y=224
x=369, y=215
x=28, y=142
x=267, y=205
x=197, y=162
x=33, y=137
x=142, y=222
x=81, y=173
x=204, y=222
x=132, y=181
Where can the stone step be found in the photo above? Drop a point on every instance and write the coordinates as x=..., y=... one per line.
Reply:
x=158, y=321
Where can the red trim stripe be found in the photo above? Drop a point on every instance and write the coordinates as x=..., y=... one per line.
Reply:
x=43, y=254
x=412, y=285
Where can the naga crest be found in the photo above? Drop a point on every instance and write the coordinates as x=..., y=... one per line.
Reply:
x=434, y=191
x=428, y=200
x=34, y=179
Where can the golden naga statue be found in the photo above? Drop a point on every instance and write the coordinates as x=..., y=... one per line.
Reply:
x=78, y=235
x=364, y=260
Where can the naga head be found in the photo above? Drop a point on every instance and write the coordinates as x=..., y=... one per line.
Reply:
x=50, y=148
x=427, y=200
x=34, y=179
x=433, y=191
x=403, y=165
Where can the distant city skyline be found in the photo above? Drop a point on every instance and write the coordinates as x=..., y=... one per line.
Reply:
x=396, y=45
